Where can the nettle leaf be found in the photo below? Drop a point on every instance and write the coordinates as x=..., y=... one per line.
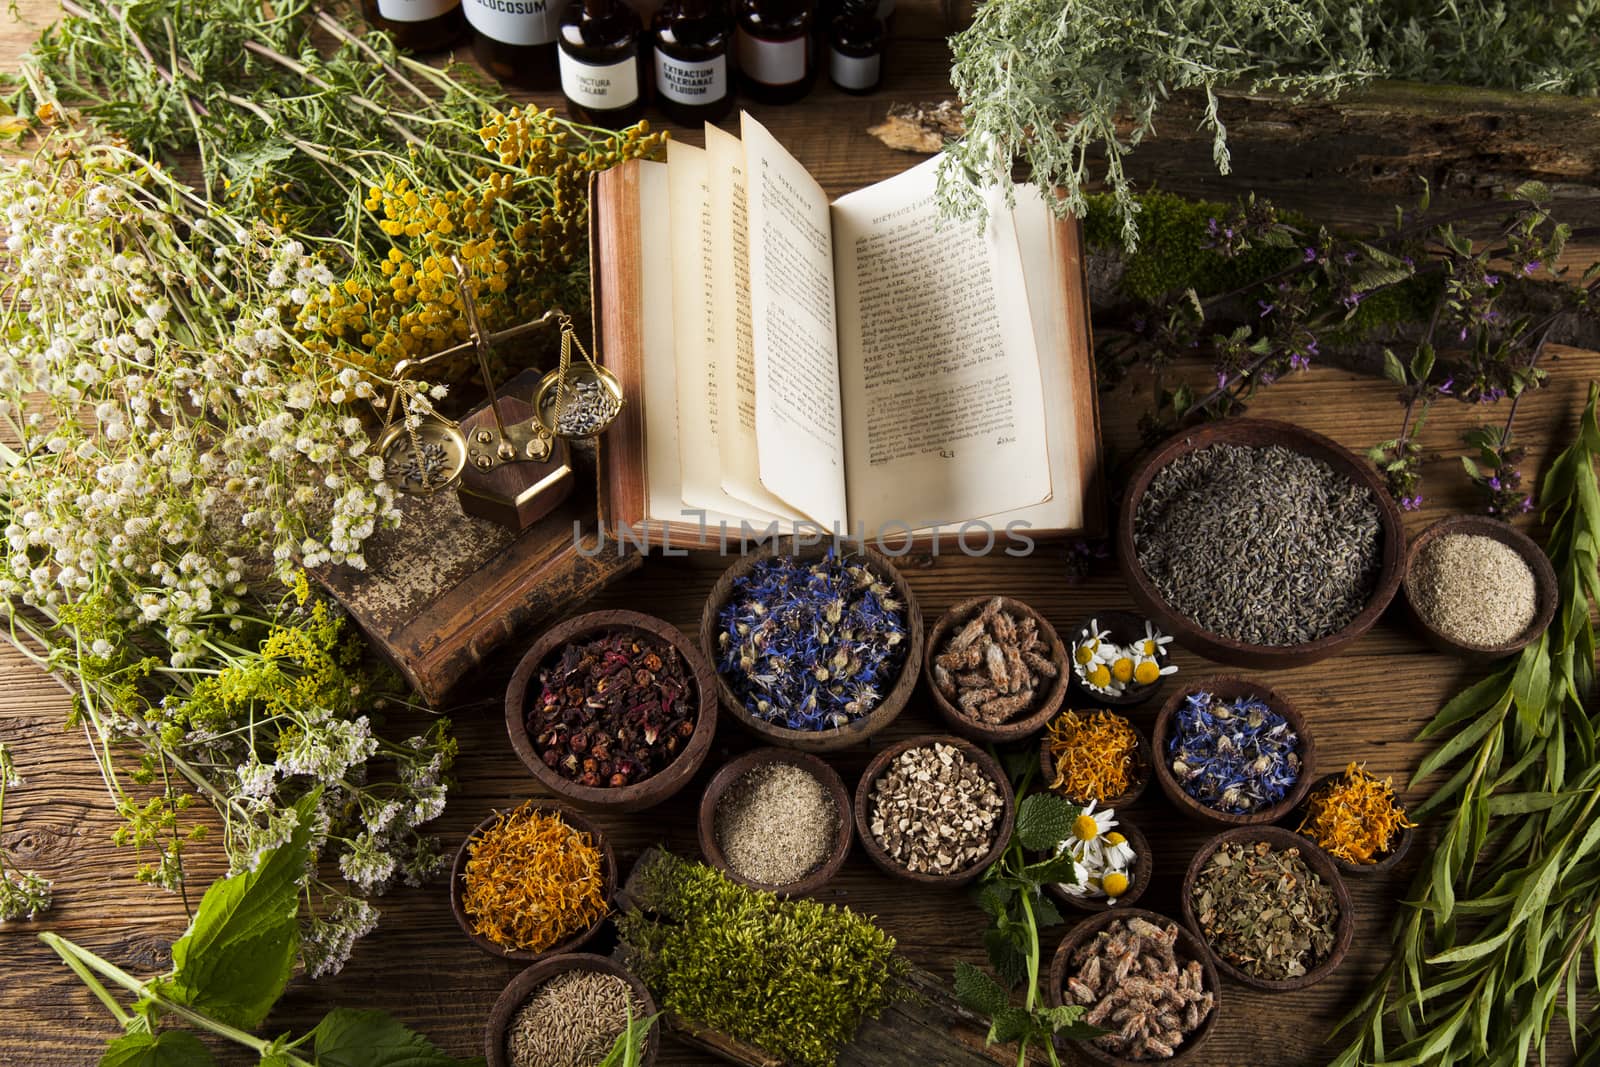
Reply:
x=1045, y=912
x=992, y=898
x=1010, y=962
x=1056, y=869
x=236, y=957
x=170, y=1048
x=976, y=991
x=1010, y=1024
x=1044, y=820
x=1066, y=1020
x=349, y=1038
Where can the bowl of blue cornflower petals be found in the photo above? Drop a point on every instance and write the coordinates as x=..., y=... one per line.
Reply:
x=815, y=646
x=1229, y=751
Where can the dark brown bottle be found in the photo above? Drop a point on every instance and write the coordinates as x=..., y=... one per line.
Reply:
x=693, y=74
x=418, y=25
x=515, y=40
x=604, y=75
x=776, y=63
x=855, y=47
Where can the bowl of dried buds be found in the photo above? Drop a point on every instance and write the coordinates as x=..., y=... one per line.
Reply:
x=776, y=819
x=815, y=646
x=1229, y=751
x=996, y=669
x=532, y=882
x=1145, y=979
x=934, y=809
x=567, y=1011
x=612, y=710
x=1269, y=907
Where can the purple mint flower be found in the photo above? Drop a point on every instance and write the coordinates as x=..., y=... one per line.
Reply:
x=1526, y=505
x=1311, y=348
x=1494, y=483
x=1222, y=379
x=1531, y=266
x=1411, y=503
x=1311, y=255
x=1408, y=261
x=1463, y=333
x=1449, y=384
x=1352, y=300
x=1299, y=361
x=1266, y=308
x=1491, y=280
x=1211, y=227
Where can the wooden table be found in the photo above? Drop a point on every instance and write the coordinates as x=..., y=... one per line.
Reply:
x=1366, y=705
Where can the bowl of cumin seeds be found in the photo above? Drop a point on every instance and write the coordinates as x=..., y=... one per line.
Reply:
x=1260, y=544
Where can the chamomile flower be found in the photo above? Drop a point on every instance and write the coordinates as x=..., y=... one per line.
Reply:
x=1102, y=857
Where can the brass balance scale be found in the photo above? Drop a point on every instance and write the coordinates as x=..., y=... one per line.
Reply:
x=423, y=452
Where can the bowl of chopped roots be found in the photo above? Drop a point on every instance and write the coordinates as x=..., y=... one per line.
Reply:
x=569, y=1011
x=532, y=882
x=1146, y=980
x=1478, y=588
x=996, y=669
x=1259, y=544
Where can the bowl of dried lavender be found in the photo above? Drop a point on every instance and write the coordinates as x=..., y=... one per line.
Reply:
x=1479, y=588
x=996, y=669
x=1260, y=544
x=776, y=819
x=1229, y=751
x=816, y=646
x=612, y=710
x=1269, y=907
x=567, y=1011
x=934, y=809
x=1356, y=818
x=532, y=882
x=1145, y=978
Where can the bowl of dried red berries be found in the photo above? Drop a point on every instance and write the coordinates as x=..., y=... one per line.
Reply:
x=613, y=710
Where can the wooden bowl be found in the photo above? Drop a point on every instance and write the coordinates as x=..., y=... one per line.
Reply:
x=736, y=769
x=893, y=702
x=1135, y=790
x=1143, y=868
x=1227, y=687
x=1399, y=845
x=1544, y=580
x=649, y=791
x=1123, y=628
x=571, y=943
x=528, y=982
x=1260, y=433
x=1189, y=944
x=881, y=857
x=1319, y=861
x=1046, y=705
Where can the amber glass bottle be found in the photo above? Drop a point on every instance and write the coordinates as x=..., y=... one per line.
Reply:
x=603, y=71
x=418, y=25
x=776, y=64
x=855, y=47
x=693, y=75
x=515, y=40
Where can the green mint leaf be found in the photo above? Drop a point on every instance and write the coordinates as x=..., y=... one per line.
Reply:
x=170, y=1048
x=1010, y=1024
x=349, y=1038
x=1055, y=870
x=1044, y=820
x=237, y=955
x=1045, y=912
x=976, y=991
x=1009, y=961
x=1393, y=369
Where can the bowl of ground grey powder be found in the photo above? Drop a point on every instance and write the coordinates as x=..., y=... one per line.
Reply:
x=1260, y=544
x=776, y=819
x=1479, y=588
x=567, y=1011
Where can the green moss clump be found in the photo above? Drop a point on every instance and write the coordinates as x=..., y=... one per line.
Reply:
x=796, y=977
x=1172, y=257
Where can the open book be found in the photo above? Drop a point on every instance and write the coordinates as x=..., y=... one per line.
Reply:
x=853, y=365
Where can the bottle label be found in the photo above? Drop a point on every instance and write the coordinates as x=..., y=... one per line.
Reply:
x=772, y=62
x=687, y=82
x=854, y=72
x=600, y=86
x=415, y=10
x=519, y=22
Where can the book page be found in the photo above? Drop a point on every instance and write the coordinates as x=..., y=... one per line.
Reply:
x=799, y=426
x=944, y=417
x=734, y=359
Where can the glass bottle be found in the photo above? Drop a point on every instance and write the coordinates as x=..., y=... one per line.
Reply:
x=855, y=47
x=515, y=40
x=418, y=25
x=603, y=68
x=692, y=72
x=775, y=55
